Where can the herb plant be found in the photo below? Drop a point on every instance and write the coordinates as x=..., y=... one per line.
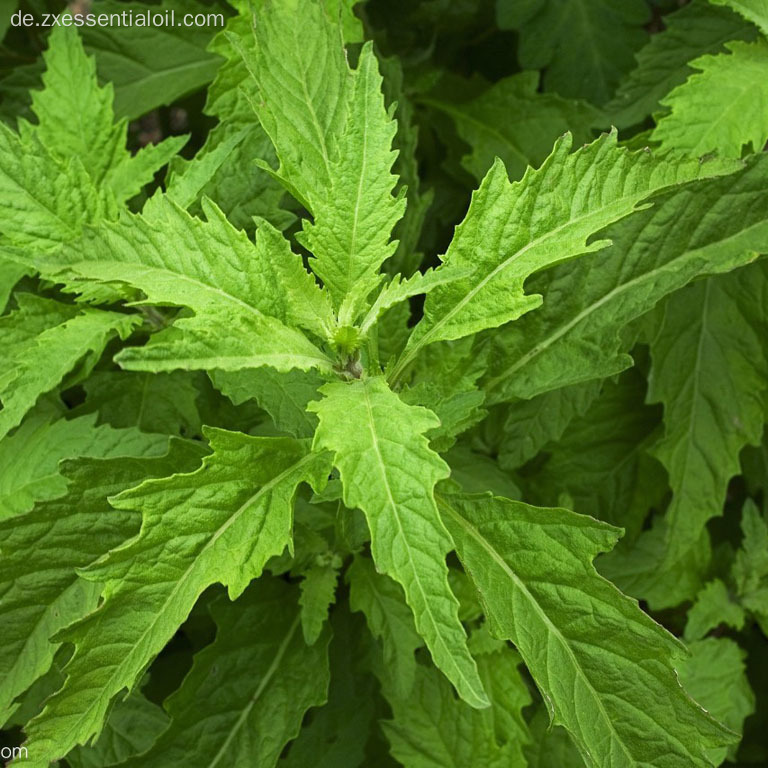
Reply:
x=310, y=457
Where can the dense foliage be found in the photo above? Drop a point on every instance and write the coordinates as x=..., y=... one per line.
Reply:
x=364, y=365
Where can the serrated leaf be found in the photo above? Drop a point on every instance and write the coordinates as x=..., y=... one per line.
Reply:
x=755, y=11
x=76, y=120
x=580, y=638
x=40, y=591
x=220, y=523
x=254, y=681
x=333, y=138
x=750, y=569
x=514, y=230
x=389, y=471
x=737, y=80
x=576, y=335
x=696, y=29
x=389, y=620
x=712, y=608
x=714, y=332
x=318, y=593
x=252, y=290
x=585, y=45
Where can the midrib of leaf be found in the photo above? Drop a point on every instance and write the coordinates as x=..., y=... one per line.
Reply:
x=396, y=514
x=593, y=48
x=220, y=532
x=449, y=109
x=153, y=74
x=259, y=690
x=499, y=560
x=407, y=357
x=493, y=382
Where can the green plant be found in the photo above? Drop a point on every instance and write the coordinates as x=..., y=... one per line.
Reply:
x=246, y=473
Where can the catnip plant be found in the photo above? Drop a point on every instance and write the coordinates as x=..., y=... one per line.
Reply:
x=350, y=431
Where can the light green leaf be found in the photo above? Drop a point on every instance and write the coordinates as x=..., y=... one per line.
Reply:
x=37, y=364
x=514, y=230
x=585, y=45
x=577, y=335
x=596, y=657
x=738, y=81
x=712, y=608
x=40, y=591
x=389, y=471
x=76, y=120
x=132, y=728
x=220, y=523
x=257, y=679
x=43, y=202
x=389, y=620
x=252, y=290
x=696, y=29
x=514, y=122
x=755, y=11
x=715, y=675
x=29, y=459
x=333, y=137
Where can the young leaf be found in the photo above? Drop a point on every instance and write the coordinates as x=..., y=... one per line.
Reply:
x=739, y=81
x=318, y=593
x=255, y=681
x=76, y=121
x=333, y=137
x=220, y=523
x=603, y=666
x=750, y=570
x=514, y=230
x=389, y=471
x=713, y=607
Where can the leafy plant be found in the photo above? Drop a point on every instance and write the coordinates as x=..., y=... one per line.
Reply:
x=282, y=487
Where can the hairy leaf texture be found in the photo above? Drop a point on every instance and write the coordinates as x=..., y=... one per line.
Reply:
x=220, y=523
x=738, y=80
x=514, y=230
x=389, y=471
x=578, y=634
x=253, y=680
